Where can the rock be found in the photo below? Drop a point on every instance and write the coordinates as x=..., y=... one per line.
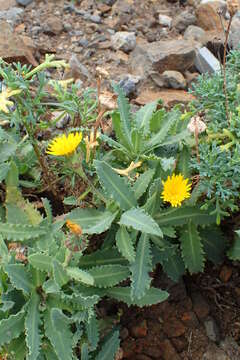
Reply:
x=53, y=25
x=207, y=15
x=24, y=2
x=162, y=55
x=174, y=328
x=122, y=6
x=200, y=306
x=189, y=319
x=165, y=20
x=123, y=40
x=64, y=119
x=206, y=62
x=140, y=330
x=128, y=84
x=5, y=5
x=234, y=36
x=214, y=353
x=225, y=273
x=95, y=19
x=13, y=48
x=169, y=97
x=174, y=79
x=77, y=69
x=83, y=42
x=109, y=2
x=155, y=352
x=169, y=353
x=183, y=20
x=212, y=329
x=195, y=33
x=13, y=15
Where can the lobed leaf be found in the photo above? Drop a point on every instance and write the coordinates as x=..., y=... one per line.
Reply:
x=12, y=327
x=19, y=232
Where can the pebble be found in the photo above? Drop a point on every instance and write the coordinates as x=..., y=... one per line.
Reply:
x=24, y=2
x=174, y=79
x=128, y=84
x=183, y=20
x=212, y=329
x=123, y=40
x=165, y=20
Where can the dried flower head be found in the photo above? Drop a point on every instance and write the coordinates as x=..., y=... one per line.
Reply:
x=64, y=145
x=175, y=190
x=232, y=6
x=4, y=96
x=196, y=124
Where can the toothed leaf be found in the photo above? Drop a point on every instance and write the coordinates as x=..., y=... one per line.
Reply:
x=144, y=115
x=80, y=275
x=41, y=261
x=32, y=326
x=125, y=244
x=139, y=220
x=142, y=183
x=234, y=252
x=59, y=273
x=214, y=243
x=19, y=232
x=109, y=348
x=12, y=327
x=93, y=332
x=108, y=275
x=102, y=257
x=19, y=276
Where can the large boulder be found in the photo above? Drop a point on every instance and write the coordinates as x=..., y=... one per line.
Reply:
x=160, y=56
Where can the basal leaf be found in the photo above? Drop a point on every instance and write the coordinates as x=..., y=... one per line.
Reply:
x=125, y=244
x=19, y=276
x=214, y=243
x=142, y=183
x=143, y=116
x=109, y=275
x=32, y=326
x=12, y=327
x=41, y=261
x=80, y=275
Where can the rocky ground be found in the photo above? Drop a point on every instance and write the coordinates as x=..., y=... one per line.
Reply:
x=154, y=48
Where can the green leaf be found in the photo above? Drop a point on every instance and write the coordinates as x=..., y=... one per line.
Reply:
x=92, y=221
x=144, y=115
x=234, y=252
x=125, y=244
x=138, y=219
x=3, y=171
x=58, y=332
x=214, y=243
x=183, y=163
x=140, y=268
x=3, y=249
x=137, y=141
x=32, y=326
x=118, y=129
x=84, y=352
x=41, y=261
x=152, y=296
x=124, y=109
x=115, y=186
x=174, y=266
x=48, y=209
x=109, y=348
x=142, y=183
x=181, y=215
x=59, y=273
x=12, y=327
x=192, y=249
x=7, y=149
x=19, y=232
x=17, y=348
x=80, y=275
x=102, y=257
x=93, y=332
x=19, y=277
x=109, y=275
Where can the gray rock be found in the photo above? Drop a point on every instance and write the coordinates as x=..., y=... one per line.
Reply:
x=183, y=20
x=165, y=20
x=109, y=2
x=63, y=122
x=206, y=62
x=95, y=19
x=162, y=55
x=128, y=84
x=83, y=42
x=67, y=27
x=174, y=79
x=212, y=329
x=123, y=40
x=24, y=2
x=12, y=15
x=36, y=29
x=77, y=68
x=234, y=37
x=195, y=33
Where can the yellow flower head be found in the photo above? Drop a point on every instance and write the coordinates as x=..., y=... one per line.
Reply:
x=74, y=228
x=64, y=145
x=175, y=190
x=4, y=102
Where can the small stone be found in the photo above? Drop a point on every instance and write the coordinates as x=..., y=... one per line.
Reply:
x=180, y=343
x=174, y=79
x=13, y=15
x=165, y=20
x=212, y=329
x=214, y=353
x=200, y=306
x=169, y=97
x=123, y=40
x=128, y=84
x=67, y=27
x=24, y=2
x=206, y=62
x=225, y=273
x=83, y=42
x=53, y=25
x=5, y=5
x=63, y=122
x=183, y=20
x=140, y=330
x=195, y=33
x=169, y=353
x=95, y=19
x=174, y=328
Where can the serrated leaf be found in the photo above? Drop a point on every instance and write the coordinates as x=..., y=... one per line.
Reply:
x=125, y=244
x=12, y=327
x=48, y=209
x=57, y=330
x=32, y=326
x=181, y=215
x=118, y=129
x=142, y=183
x=17, y=348
x=152, y=296
x=3, y=171
x=19, y=277
x=139, y=220
x=174, y=266
x=183, y=163
x=109, y=275
x=192, y=249
x=109, y=348
x=41, y=261
x=93, y=332
x=59, y=273
x=50, y=287
x=144, y=115
x=115, y=186
x=92, y=221
x=102, y=257
x=140, y=268
x=214, y=243
x=3, y=249
x=234, y=252
x=19, y=232
x=137, y=140
x=80, y=275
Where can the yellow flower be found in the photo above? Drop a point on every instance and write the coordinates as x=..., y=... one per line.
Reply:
x=4, y=102
x=90, y=144
x=64, y=145
x=74, y=228
x=175, y=190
